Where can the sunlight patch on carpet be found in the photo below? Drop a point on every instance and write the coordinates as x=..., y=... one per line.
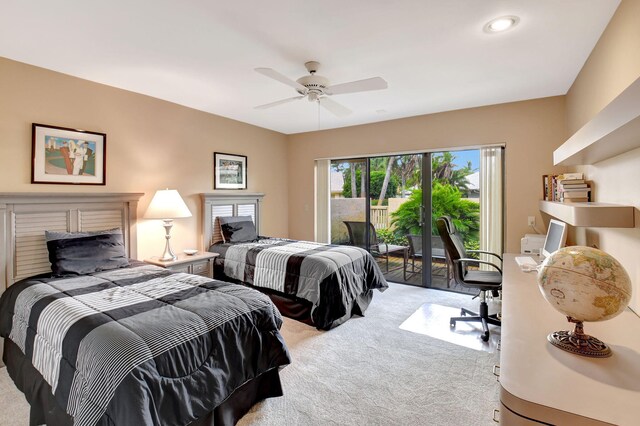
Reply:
x=433, y=320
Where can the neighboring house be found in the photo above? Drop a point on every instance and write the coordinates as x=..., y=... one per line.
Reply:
x=337, y=184
x=473, y=187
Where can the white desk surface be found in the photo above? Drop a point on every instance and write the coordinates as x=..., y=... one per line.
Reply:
x=533, y=370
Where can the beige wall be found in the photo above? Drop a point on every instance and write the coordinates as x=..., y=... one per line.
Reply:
x=611, y=67
x=531, y=131
x=151, y=144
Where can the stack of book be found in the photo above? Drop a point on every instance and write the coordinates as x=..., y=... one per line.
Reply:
x=566, y=188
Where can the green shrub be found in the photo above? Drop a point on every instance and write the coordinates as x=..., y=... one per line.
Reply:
x=375, y=184
x=386, y=235
x=446, y=201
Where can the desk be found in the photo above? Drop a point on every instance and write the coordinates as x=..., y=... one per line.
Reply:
x=541, y=383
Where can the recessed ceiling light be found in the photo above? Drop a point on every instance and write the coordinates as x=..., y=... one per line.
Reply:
x=500, y=24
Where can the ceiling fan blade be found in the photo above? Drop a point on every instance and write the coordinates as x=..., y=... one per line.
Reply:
x=280, y=102
x=282, y=79
x=374, y=83
x=333, y=107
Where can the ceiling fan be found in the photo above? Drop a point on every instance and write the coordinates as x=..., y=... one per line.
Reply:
x=318, y=89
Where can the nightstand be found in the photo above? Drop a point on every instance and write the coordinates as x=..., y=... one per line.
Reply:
x=197, y=264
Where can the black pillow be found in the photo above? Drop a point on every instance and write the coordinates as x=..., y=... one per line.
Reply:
x=238, y=229
x=79, y=253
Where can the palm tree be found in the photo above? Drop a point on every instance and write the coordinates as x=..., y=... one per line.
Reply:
x=363, y=182
x=385, y=182
x=406, y=166
x=354, y=191
x=445, y=172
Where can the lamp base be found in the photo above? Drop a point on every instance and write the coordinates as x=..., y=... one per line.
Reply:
x=579, y=343
x=168, y=254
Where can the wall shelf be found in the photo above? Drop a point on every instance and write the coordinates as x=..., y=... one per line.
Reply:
x=613, y=131
x=590, y=214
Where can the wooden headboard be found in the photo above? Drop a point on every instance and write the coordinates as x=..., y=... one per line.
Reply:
x=216, y=205
x=25, y=216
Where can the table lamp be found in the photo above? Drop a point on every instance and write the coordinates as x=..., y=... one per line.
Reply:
x=167, y=205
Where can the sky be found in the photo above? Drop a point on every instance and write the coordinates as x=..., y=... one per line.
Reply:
x=462, y=157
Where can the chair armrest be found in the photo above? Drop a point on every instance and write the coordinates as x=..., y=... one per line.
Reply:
x=485, y=252
x=466, y=260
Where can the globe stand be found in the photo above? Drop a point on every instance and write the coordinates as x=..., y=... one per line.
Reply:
x=579, y=343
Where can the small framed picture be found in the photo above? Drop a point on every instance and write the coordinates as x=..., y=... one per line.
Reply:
x=67, y=156
x=229, y=171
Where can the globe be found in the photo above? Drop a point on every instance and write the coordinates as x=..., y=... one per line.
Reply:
x=585, y=284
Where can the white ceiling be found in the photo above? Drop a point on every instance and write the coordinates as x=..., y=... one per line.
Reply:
x=201, y=53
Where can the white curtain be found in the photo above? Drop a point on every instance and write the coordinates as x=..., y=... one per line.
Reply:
x=323, y=197
x=491, y=202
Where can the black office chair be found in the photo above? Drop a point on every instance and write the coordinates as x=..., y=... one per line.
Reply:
x=377, y=248
x=472, y=278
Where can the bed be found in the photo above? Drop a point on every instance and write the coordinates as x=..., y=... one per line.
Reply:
x=319, y=284
x=123, y=342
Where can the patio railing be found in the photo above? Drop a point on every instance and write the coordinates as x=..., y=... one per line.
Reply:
x=380, y=217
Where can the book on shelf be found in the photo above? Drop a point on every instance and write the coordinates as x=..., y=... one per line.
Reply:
x=566, y=187
x=569, y=190
x=575, y=194
x=570, y=176
x=576, y=200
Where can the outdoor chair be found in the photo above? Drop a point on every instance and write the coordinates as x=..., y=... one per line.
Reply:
x=357, y=237
x=415, y=253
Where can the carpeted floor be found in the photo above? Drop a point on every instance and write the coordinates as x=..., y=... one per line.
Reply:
x=367, y=371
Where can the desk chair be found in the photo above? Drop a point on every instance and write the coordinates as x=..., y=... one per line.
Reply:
x=481, y=280
x=377, y=248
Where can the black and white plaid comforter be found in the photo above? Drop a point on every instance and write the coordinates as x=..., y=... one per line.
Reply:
x=331, y=277
x=145, y=335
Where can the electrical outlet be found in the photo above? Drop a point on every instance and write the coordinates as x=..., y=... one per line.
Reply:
x=531, y=220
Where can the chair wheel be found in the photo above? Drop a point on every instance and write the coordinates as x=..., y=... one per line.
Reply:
x=485, y=337
x=463, y=313
x=452, y=323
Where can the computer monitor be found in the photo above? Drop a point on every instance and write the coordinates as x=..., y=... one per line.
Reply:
x=556, y=237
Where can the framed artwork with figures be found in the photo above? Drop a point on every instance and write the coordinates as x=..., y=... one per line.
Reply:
x=229, y=171
x=65, y=156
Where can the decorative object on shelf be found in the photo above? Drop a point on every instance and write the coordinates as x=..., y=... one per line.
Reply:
x=190, y=252
x=585, y=284
x=167, y=205
x=60, y=155
x=229, y=171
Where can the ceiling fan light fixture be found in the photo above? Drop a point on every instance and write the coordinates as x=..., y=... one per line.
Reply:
x=501, y=24
x=318, y=89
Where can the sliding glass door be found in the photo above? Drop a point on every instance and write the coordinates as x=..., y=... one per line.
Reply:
x=389, y=205
x=455, y=192
x=348, y=200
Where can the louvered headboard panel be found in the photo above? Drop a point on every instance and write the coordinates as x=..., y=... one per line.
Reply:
x=31, y=256
x=217, y=205
x=25, y=217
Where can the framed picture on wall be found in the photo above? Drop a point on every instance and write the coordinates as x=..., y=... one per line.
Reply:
x=67, y=156
x=229, y=171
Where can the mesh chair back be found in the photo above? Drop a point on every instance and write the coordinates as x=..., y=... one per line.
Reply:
x=453, y=246
x=358, y=237
x=455, y=237
x=415, y=245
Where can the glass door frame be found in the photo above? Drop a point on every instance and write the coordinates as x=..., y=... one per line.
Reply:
x=427, y=180
x=425, y=219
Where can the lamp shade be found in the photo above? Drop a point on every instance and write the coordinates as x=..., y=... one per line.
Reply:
x=167, y=204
